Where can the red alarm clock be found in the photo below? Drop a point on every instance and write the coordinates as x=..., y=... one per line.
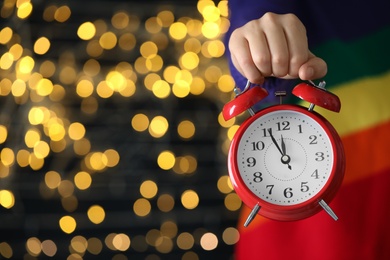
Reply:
x=286, y=161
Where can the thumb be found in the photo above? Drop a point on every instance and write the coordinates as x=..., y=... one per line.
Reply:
x=314, y=68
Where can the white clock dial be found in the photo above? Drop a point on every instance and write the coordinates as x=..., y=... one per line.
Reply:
x=285, y=157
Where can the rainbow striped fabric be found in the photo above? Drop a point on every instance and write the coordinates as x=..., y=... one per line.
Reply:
x=354, y=39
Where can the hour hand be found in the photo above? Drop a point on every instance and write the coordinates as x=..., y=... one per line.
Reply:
x=285, y=158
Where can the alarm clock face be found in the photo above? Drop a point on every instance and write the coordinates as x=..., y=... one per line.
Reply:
x=285, y=157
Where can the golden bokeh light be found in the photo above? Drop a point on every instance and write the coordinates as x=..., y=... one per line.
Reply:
x=230, y=236
x=166, y=160
x=7, y=199
x=67, y=224
x=42, y=45
x=140, y=122
x=224, y=184
x=83, y=180
x=186, y=129
x=178, y=30
x=232, y=202
x=190, y=199
x=52, y=179
x=86, y=31
x=165, y=203
x=76, y=131
x=62, y=14
x=209, y=241
x=96, y=214
x=24, y=10
x=148, y=189
x=185, y=241
x=5, y=35
x=158, y=126
x=108, y=40
x=161, y=89
x=3, y=134
x=7, y=156
x=142, y=207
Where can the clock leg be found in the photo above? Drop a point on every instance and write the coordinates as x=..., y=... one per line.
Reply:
x=328, y=210
x=252, y=215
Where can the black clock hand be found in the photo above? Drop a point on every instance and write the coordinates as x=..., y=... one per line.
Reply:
x=274, y=141
x=283, y=146
x=285, y=158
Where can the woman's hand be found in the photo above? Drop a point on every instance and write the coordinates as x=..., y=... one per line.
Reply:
x=274, y=45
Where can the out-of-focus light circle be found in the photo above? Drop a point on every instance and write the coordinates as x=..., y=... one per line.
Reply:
x=33, y=246
x=161, y=89
x=86, y=31
x=158, y=126
x=210, y=30
x=186, y=129
x=232, y=131
x=24, y=10
x=96, y=214
x=224, y=184
x=112, y=157
x=232, y=202
x=190, y=199
x=142, y=207
x=121, y=242
x=41, y=149
x=41, y=46
x=178, y=31
x=49, y=248
x=181, y=88
x=3, y=134
x=67, y=224
x=185, y=241
x=52, y=179
x=83, y=180
x=148, y=189
x=5, y=35
x=7, y=156
x=209, y=241
x=148, y=49
x=189, y=60
x=120, y=20
x=84, y=88
x=165, y=202
x=166, y=160
x=76, y=131
x=62, y=14
x=230, y=236
x=140, y=122
x=108, y=40
x=7, y=199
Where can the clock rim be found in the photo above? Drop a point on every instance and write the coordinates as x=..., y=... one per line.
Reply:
x=304, y=209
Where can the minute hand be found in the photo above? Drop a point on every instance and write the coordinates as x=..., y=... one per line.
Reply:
x=274, y=141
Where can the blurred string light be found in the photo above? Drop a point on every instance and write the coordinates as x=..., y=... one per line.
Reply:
x=42, y=84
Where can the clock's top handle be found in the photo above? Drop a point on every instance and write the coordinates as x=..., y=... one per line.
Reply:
x=317, y=95
x=243, y=101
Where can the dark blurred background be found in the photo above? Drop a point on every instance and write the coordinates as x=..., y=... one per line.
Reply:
x=112, y=144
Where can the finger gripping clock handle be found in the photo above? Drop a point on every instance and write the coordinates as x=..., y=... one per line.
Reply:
x=243, y=101
x=317, y=96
